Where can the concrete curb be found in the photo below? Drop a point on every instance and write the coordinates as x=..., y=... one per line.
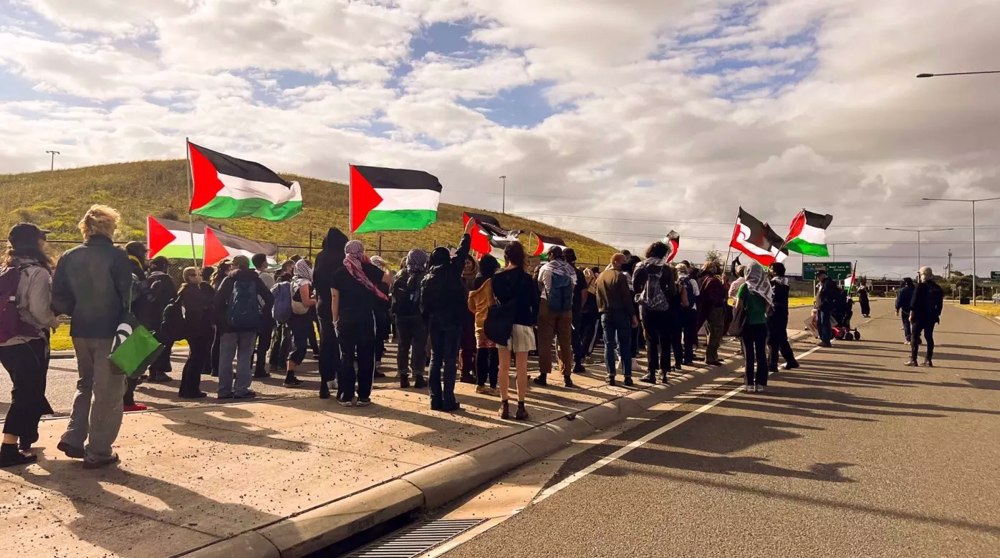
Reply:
x=438, y=483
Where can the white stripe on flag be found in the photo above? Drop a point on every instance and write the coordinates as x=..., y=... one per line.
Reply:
x=242, y=189
x=394, y=199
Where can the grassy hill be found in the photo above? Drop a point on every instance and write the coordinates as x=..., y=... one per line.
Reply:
x=57, y=200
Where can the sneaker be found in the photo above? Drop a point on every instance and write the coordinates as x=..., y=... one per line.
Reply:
x=135, y=407
x=649, y=379
x=911, y=362
x=748, y=388
x=101, y=462
x=761, y=389
x=928, y=363
x=292, y=382
x=71, y=451
x=483, y=390
x=363, y=403
x=345, y=402
x=250, y=394
x=579, y=368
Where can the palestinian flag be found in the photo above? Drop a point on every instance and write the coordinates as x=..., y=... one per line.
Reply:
x=226, y=187
x=174, y=240
x=757, y=240
x=546, y=242
x=807, y=234
x=488, y=236
x=673, y=240
x=392, y=199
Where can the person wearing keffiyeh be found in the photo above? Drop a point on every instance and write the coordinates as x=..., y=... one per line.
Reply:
x=757, y=299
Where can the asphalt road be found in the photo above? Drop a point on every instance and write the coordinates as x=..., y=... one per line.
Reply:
x=853, y=455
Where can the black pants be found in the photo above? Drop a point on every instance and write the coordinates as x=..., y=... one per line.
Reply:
x=411, y=345
x=27, y=364
x=357, y=348
x=216, y=343
x=656, y=325
x=588, y=335
x=281, y=341
x=755, y=352
x=689, y=330
x=329, y=351
x=487, y=366
x=444, y=364
x=777, y=341
x=927, y=328
x=263, y=344
x=130, y=384
x=162, y=364
x=674, y=316
x=311, y=332
x=302, y=328
x=200, y=352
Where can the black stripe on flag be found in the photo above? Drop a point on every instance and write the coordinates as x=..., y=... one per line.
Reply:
x=551, y=240
x=399, y=179
x=491, y=226
x=240, y=168
x=228, y=240
x=818, y=220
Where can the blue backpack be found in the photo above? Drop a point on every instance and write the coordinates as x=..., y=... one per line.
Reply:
x=561, y=293
x=282, y=309
x=244, y=313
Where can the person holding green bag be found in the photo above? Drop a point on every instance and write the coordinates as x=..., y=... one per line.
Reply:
x=92, y=285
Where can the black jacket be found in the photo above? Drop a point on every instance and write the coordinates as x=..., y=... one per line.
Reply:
x=198, y=304
x=829, y=295
x=328, y=261
x=904, y=299
x=406, y=294
x=444, y=297
x=514, y=285
x=159, y=291
x=225, y=292
x=928, y=301
x=92, y=285
x=780, y=290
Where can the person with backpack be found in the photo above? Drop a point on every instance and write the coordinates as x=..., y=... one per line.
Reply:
x=444, y=304
x=159, y=289
x=301, y=320
x=136, y=252
x=195, y=298
x=517, y=302
x=687, y=286
x=555, y=316
x=281, y=313
x=755, y=298
x=93, y=286
x=25, y=320
x=777, y=322
x=925, y=313
x=618, y=317
x=259, y=262
x=655, y=286
x=328, y=261
x=580, y=296
x=241, y=302
x=356, y=298
x=411, y=330
x=481, y=298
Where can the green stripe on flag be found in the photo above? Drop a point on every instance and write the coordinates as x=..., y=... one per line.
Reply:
x=182, y=252
x=227, y=208
x=807, y=248
x=398, y=220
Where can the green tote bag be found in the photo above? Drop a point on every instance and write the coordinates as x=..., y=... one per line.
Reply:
x=134, y=348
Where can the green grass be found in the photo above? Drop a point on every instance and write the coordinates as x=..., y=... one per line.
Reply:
x=984, y=308
x=57, y=200
x=61, y=340
x=800, y=301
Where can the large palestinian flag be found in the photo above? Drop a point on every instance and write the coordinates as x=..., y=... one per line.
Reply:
x=757, y=240
x=673, y=240
x=488, y=236
x=807, y=234
x=546, y=242
x=226, y=187
x=392, y=199
x=174, y=240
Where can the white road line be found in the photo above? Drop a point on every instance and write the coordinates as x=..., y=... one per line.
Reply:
x=642, y=441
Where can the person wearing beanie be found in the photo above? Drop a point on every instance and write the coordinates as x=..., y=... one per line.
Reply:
x=328, y=261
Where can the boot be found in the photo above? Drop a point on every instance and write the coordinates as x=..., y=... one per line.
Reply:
x=10, y=456
x=663, y=377
x=419, y=382
x=522, y=413
x=568, y=381
x=650, y=378
x=541, y=380
x=629, y=382
x=404, y=380
x=928, y=363
x=324, y=390
x=468, y=378
x=912, y=362
x=436, y=403
x=504, y=410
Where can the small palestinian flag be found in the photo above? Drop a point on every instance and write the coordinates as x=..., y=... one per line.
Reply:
x=392, y=199
x=673, y=240
x=173, y=240
x=807, y=234
x=757, y=240
x=546, y=242
x=226, y=187
x=488, y=236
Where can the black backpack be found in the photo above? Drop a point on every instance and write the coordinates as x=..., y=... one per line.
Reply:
x=406, y=294
x=244, y=312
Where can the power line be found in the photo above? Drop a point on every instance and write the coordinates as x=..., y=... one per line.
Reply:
x=711, y=223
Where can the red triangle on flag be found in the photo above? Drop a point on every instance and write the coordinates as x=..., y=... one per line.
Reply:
x=205, y=178
x=364, y=198
x=480, y=244
x=215, y=251
x=158, y=237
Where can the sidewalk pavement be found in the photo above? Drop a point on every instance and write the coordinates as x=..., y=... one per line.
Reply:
x=286, y=477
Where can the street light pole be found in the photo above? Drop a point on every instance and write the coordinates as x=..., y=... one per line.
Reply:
x=919, y=231
x=921, y=76
x=503, y=195
x=52, y=165
x=973, y=202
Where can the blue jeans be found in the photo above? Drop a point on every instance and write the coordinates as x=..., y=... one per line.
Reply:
x=825, y=326
x=444, y=344
x=239, y=345
x=906, y=326
x=617, y=335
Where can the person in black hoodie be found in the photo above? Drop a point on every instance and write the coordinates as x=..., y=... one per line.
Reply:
x=777, y=323
x=904, y=303
x=196, y=299
x=444, y=305
x=329, y=260
x=136, y=252
x=925, y=313
x=159, y=291
x=411, y=330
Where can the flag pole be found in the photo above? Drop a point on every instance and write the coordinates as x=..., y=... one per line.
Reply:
x=350, y=206
x=725, y=266
x=187, y=151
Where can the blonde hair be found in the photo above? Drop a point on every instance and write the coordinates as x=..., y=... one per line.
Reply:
x=190, y=272
x=100, y=220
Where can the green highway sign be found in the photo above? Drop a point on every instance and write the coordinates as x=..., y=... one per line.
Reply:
x=836, y=270
x=995, y=275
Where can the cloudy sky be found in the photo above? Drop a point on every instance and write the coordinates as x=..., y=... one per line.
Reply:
x=621, y=119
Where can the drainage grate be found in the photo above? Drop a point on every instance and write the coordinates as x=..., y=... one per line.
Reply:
x=417, y=540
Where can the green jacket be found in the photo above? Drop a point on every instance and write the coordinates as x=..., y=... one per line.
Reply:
x=754, y=306
x=92, y=285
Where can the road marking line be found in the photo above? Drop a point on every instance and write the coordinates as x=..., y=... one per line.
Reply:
x=604, y=461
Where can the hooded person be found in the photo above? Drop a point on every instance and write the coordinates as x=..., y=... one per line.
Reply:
x=756, y=298
x=555, y=316
x=468, y=349
x=159, y=291
x=301, y=321
x=411, y=330
x=480, y=300
x=328, y=261
x=383, y=319
x=654, y=282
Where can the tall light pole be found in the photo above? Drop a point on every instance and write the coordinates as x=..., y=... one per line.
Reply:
x=52, y=165
x=919, y=231
x=503, y=195
x=922, y=76
x=973, y=202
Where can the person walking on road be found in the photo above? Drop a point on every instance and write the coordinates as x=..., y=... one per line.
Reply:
x=712, y=310
x=904, y=303
x=827, y=299
x=328, y=261
x=411, y=330
x=93, y=285
x=925, y=313
x=618, y=318
x=757, y=300
x=864, y=302
x=241, y=303
x=555, y=316
x=480, y=300
x=196, y=298
x=301, y=321
x=515, y=289
x=777, y=322
x=656, y=286
x=25, y=321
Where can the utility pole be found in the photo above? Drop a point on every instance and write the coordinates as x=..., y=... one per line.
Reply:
x=52, y=165
x=503, y=195
x=949, y=265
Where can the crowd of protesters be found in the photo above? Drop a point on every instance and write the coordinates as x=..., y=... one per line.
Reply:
x=454, y=319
